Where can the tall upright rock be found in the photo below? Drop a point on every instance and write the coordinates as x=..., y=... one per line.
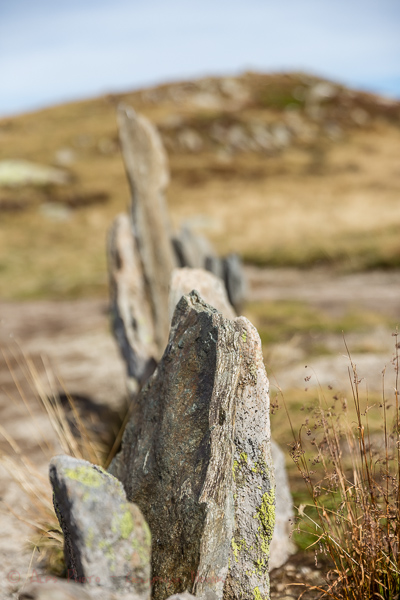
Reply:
x=196, y=458
x=131, y=314
x=147, y=170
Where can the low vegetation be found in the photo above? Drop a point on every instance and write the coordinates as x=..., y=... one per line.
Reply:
x=348, y=458
x=285, y=169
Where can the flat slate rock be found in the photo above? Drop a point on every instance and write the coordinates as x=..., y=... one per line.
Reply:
x=107, y=541
x=196, y=458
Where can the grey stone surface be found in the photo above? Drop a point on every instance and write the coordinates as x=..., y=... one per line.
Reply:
x=107, y=541
x=191, y=249
x=215, y=265
x=281, y=546
x=148, y=175
x=211, y=289
x=196, y=458
x=131, y=314
x=234, y=281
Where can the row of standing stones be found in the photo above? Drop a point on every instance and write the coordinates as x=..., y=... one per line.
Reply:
x=192, y=503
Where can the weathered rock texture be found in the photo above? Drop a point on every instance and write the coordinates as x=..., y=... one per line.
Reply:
x=281, y=546
x=192, y=250
x=210, y=288
x=131, y=314
x=107, y=541
x=196, y=458
x=147, y=170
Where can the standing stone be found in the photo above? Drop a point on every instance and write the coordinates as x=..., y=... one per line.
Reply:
x=215, y=265
x=132, y=319
x=107, y=541
x=281, y=545
x=234, y=281
x=147, y=171
x=210, y=288
x=196, y=458
x=191, y=250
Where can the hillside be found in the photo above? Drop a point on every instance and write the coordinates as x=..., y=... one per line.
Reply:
x=286, y=169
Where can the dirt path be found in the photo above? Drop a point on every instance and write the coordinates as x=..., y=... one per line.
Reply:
x=75, y=340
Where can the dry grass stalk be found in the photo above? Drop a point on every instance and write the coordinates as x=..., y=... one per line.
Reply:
x=352, y=476
x=73, y=438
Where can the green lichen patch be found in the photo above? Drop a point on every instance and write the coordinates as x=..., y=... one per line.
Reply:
x=257, y=594
x=237, y=547
x=244, y=336
x=85, y=475
x=266, y=517
x=126, y=525
x=239, y=464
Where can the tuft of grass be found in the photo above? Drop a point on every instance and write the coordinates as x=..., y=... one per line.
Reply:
x=73, y=437
x=351, y=474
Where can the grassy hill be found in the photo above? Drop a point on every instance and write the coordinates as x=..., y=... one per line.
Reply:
x=286, y=169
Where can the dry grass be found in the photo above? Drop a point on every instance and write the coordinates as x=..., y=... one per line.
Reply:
x=326, y=201
x=352, y=476
x=72, y=436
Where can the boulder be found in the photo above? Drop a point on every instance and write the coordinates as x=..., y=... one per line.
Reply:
x=147, y=170
x=107, y=541
x=210, y=288
x=281, y=545
x=132, y=319
x=196, y=458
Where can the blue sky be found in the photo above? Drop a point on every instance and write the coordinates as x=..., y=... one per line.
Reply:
x=53, y=51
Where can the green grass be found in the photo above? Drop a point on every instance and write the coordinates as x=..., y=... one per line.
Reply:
x=279, y=321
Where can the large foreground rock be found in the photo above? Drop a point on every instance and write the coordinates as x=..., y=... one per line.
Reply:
x=196, y=458
x=147, y=170
x=131, y=314
x=107, y=541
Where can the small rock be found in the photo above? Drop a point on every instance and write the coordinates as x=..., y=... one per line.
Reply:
x=65, y=157
x=107, y=541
